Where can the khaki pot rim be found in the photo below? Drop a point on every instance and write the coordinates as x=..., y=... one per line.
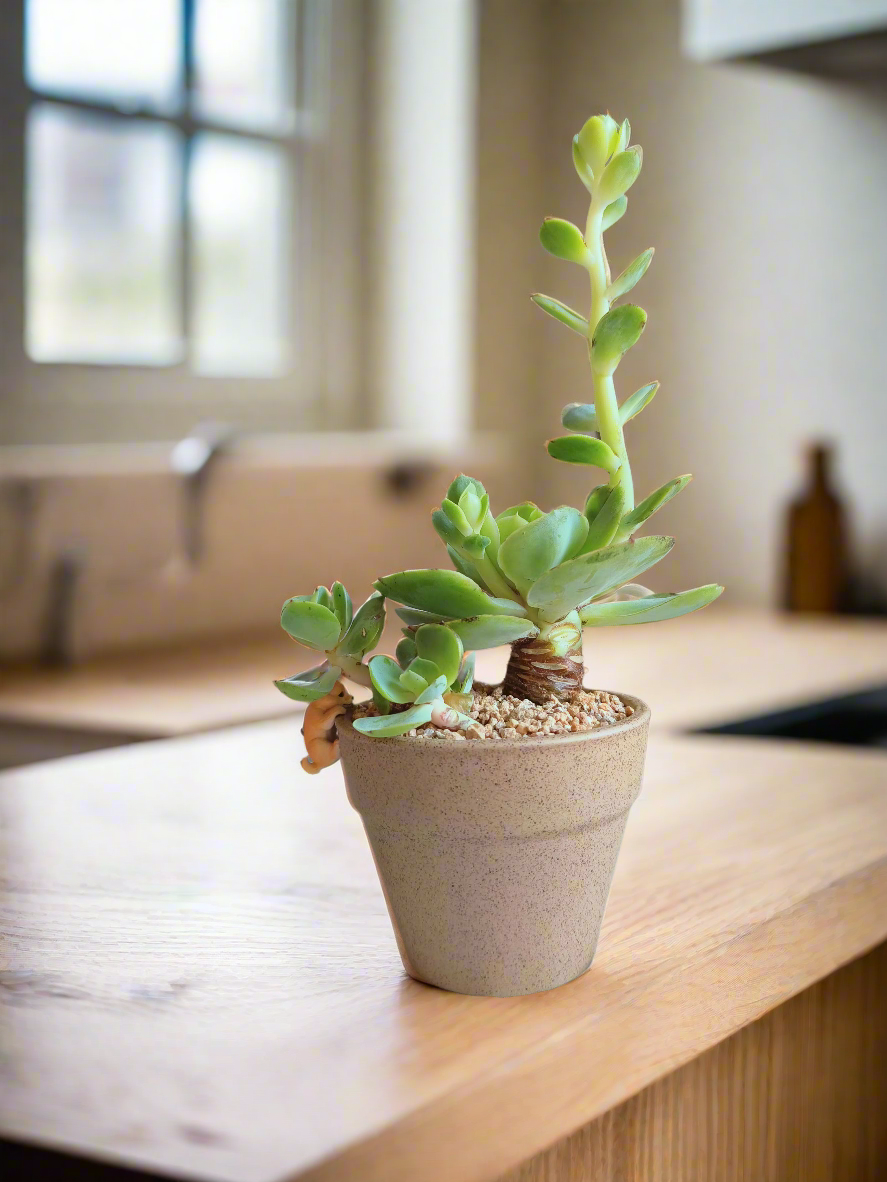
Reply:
x=640, y=717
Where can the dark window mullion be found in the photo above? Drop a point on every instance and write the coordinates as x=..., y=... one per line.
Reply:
x=185, y=268
x=184, y=121
x=188, y=65
x=91, y=106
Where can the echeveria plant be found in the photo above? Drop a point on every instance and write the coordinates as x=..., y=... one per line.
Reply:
x=523, y=577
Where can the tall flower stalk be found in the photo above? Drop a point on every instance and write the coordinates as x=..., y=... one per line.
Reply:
x=603, y=386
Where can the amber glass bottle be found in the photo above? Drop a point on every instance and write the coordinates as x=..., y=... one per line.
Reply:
x=816, y=566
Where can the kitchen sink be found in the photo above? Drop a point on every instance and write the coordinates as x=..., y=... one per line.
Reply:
x=858, y=719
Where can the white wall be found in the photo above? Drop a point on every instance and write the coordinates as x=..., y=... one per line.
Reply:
x=424, y=85
x=513, y=99
x=765, y=195
x=277, y=521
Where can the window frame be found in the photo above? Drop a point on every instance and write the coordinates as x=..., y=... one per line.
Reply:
x=49, y=402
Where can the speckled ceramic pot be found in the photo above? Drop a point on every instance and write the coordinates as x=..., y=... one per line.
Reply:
x=496, y=857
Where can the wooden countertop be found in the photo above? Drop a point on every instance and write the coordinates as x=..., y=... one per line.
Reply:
x=705, y=668
x=200, y=977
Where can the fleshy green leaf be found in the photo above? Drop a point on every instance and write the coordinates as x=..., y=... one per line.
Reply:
x=464, y=566
x=433, y=691
x=630, y=591
x=507, y=607
x=620, y=174
x=542, y=544
x=459, y=485
x=445, y=591
x=509, y=525
x=342, y=606
x=616, y=332
x=385, y=676
x=445, y=529
x=414, y=682
x=614, y=211
x=636, y=518
x=649, y=610
x=489, y=528
x=591, y=575
x=582, y=170
x=635, y=403
x=635, y=271
x=310, y=623
x=595, y=140
x=456, y=517
x=491, y=631
x=528, y=510
x=366, y=628
x=563, y=240
x=475, y=546
x=595, y=501
x=322, y=596
x=414, y=618
x=395, y=724
x=562, y=313
x=440, y=644
x=405, y=651
x=605, y=524
x=583, y=449
x=465, y=680
x=580, y=416
x=473, y=508
x=426, y=668
x=381, y=702
x=312, y=684
x=621, y=141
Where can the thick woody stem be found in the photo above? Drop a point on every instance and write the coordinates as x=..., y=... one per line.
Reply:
x=548, y=665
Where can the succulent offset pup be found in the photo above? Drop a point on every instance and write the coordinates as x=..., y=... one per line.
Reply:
x=524, y=577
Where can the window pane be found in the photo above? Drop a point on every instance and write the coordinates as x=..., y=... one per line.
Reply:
x=244, y=62
x=239, y=199
x=121, y=51
x=103, y=239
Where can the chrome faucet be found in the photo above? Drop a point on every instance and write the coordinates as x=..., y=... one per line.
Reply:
x=193, y=459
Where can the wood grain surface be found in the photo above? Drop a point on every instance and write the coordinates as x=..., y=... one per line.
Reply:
x=199, y=976
x=705, y=668
x=801, y=1094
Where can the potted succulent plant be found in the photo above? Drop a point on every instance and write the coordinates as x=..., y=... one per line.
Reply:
x=497, y=845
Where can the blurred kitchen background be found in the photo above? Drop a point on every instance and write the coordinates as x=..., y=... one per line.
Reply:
x=265, y=269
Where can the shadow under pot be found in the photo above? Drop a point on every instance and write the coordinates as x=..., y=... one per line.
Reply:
x=496, y=856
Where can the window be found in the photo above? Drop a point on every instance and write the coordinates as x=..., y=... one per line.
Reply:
x=188, y=170
x=180, y=144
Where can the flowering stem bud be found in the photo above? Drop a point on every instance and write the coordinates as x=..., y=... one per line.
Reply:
x=608, y=421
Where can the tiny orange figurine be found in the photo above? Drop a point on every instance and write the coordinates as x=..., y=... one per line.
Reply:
x=320, y=729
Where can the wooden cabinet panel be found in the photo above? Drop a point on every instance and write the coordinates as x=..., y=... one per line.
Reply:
x=799, y=1094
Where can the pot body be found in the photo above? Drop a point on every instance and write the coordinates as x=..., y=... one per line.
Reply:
x=496, y=856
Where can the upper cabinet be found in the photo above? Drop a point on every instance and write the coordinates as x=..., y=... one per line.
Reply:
x=836, y=36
